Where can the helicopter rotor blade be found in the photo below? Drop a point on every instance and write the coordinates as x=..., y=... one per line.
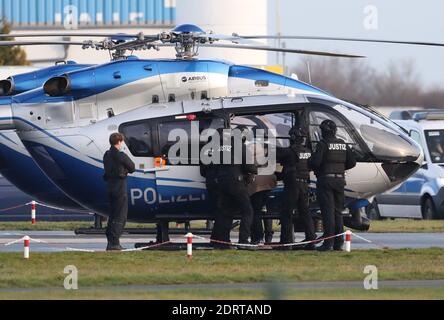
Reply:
x=418, y=43
x=233, y=39
x=39, y=43
x=71, y=34
x=286, y=50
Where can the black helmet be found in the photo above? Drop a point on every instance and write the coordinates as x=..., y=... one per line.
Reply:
x=328, y=128
x=297, y=134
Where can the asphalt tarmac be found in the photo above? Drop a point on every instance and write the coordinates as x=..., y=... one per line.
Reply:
x=244, y=286
x=59, y=241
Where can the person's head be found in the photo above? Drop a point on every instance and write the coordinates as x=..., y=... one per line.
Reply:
x=116, y=140
x=298, y=135
x=328, y=128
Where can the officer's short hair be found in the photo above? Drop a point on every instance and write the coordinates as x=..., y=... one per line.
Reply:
x=115, y=138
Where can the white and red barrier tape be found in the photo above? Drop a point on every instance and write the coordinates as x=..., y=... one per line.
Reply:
x=15, y=207
x=35, y=203
x=189, y=242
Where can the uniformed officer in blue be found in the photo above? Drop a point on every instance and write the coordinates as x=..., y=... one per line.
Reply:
x=296, y=176
x=117, y=167
x=330, y=161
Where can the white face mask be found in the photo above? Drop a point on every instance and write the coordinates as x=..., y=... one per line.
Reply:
x=119, y=146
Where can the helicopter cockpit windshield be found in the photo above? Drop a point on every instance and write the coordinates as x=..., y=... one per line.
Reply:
x=384, y=142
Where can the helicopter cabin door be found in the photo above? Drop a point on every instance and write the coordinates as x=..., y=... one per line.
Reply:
x=359, y=179
x=180, y=187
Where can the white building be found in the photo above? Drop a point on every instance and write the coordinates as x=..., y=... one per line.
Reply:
x=244, y=17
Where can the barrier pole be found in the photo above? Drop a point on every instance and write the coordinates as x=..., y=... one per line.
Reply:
x=33, y=211
x=189, y=246
x=26, y=243
x=348, y=241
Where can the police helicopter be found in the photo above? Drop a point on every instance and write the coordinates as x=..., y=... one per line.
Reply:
x=65, y=124
x=17, y=165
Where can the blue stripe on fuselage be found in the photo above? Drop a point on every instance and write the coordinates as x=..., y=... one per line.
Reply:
x=23, y=172
x=251, y=73
x=99, y=79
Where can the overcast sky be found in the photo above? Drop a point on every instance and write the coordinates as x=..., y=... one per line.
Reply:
x=376, y=19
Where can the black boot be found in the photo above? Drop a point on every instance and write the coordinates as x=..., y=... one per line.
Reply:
x=269, y=237
x=324, y=248
x=114, y=247
x=306, y=247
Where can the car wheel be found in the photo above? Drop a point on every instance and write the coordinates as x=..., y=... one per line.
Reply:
x=372, y=211
x=428, y=209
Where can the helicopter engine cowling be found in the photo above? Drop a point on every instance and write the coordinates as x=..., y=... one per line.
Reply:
x=76, y=83
x=6, y=87
x=28, y=81
x=57, y=86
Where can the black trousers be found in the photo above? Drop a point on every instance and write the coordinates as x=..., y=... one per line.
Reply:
x=330, y=194
x=296, y=198
x=258, y=201
x=231, y=196
x=118, y=200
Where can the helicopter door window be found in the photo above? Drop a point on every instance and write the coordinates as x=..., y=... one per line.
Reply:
x=317, y=117
x=138, y=138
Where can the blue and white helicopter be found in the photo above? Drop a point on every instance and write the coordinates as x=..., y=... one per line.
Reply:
x=65, y=124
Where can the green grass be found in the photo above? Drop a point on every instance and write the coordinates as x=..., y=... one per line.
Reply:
x=156, y=267
x=230, y=294
x=58, y=226
x=407, y=225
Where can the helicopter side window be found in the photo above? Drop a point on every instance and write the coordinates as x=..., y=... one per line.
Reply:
x=187, y=130
x=317, y=117
x=281, y=122
x=138, y=138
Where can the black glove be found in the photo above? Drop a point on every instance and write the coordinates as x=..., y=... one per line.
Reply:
x=250, y=178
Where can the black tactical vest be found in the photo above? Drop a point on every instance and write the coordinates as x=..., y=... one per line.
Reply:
x=334, y=157
x=299, y=167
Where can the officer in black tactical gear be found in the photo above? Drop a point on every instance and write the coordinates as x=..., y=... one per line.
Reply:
x=296, y=176
x=227, y=185
x=117, y=166
x=330, y=161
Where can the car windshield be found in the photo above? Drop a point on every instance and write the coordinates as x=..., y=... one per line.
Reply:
x=435, y=143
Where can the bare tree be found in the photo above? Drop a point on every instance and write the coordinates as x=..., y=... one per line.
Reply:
x=356, y=80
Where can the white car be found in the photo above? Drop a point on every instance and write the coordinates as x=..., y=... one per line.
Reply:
x=422, y=195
